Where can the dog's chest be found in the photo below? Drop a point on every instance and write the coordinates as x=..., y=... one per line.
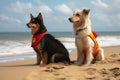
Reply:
x=84, y=42
x=81, y=41
x=38, y=48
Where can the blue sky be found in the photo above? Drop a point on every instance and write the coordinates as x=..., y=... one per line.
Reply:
x=14, y=14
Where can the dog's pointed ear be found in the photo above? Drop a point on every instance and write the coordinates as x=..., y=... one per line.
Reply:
x=40, y=17
x=31, y=16
x=86, y=11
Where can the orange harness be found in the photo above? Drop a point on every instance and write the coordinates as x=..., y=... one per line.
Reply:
x=96, y=45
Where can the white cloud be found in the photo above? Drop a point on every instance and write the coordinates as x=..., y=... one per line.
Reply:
x=27, y=8
x=45, y=9
x=3, y=18
x=63, y=8
x=99, y=3
x=106, y=14
x=101, y=19
x=72, y=4
x=20, y=7
x=7, y=19
x=39, y=6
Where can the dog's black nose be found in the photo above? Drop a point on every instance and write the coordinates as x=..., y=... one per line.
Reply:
x=27, y=25
x=70, y=19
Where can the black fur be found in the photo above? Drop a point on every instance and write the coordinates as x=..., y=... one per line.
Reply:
x=54, y=48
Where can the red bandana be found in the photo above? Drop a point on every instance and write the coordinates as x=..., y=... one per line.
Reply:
x=36, y=38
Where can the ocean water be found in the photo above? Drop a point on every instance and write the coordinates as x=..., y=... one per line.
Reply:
x=17, y=45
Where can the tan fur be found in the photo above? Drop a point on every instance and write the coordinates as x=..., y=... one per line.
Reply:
x=80, y=20
x=34, y=27
x=41, y=56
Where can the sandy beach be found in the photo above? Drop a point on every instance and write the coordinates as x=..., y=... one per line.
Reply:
x=109, y=69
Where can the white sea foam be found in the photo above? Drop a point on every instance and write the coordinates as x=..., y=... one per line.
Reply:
x=20, y=50
x=13, y=47
x=109, y=41
x=104, y=41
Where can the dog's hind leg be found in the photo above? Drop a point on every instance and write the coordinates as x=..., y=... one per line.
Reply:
x=57, y=57
x=100, y=55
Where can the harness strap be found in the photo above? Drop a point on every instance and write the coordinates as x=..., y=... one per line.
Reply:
x=96, y=45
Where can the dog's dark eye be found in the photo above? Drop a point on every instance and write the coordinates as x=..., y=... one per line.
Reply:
x=77, y=14
x=34, y=22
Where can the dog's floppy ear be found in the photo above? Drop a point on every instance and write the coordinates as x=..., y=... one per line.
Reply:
x=31, y=16
x=40, y=17
x=86, y=11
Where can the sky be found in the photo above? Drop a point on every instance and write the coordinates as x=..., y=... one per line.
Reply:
x=14, y=14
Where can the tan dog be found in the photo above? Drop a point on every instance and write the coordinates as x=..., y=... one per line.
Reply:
x=88, y=49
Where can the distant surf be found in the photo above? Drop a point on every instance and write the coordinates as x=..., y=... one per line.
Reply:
x=17, y=46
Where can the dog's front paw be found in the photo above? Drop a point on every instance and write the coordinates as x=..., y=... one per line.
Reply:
x=77, y=63
x=37, y=63
x=42, y=65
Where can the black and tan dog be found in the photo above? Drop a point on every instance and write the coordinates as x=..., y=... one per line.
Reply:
x=48, y=49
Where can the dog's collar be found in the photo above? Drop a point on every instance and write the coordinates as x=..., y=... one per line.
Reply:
x=36, y=39
x=79, y=30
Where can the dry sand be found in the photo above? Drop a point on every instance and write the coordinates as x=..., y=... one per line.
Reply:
x=109, y=69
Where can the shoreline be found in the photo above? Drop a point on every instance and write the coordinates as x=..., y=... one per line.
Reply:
x=73, y=51
x=27, y=70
